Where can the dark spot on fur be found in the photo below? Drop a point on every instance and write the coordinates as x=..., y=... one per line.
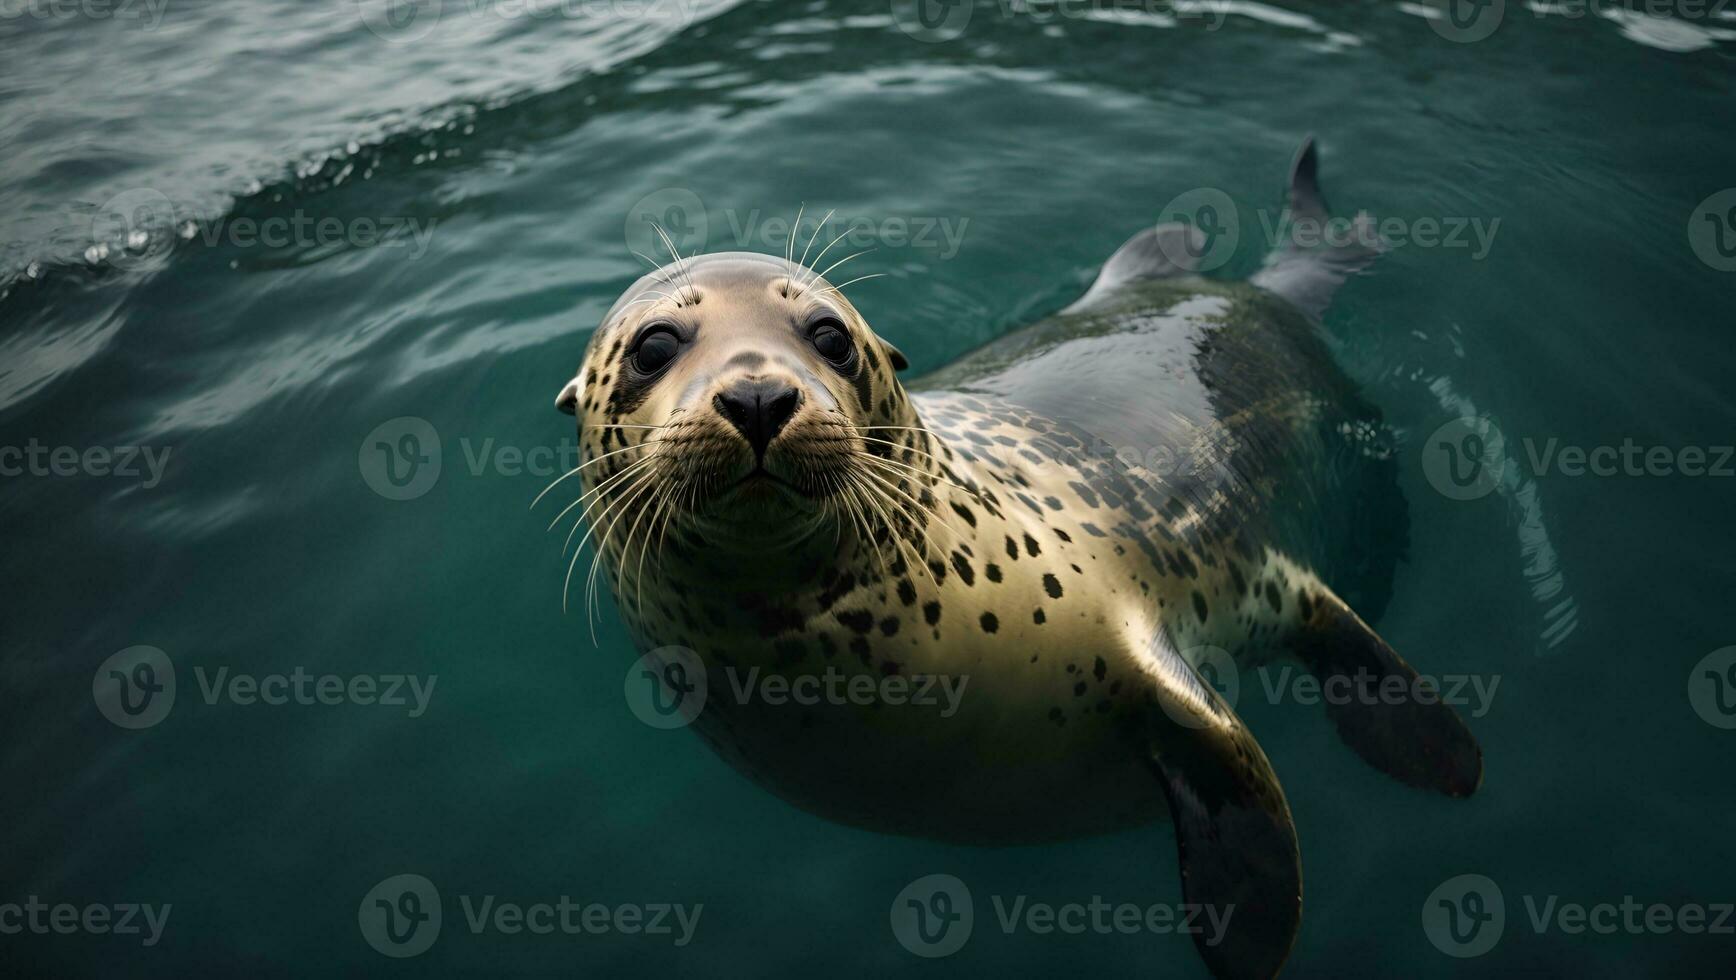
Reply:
x=860, y=620
x=906, y=592
x=1051, y=585
x=1199, y=603
x=1031, y=546
x=1038, y=617
x=962, y=566
x=993, y=571
x=990, y=623
x=931, y=612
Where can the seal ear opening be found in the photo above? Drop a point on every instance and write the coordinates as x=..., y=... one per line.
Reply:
x=896, y=356
x=568, y=400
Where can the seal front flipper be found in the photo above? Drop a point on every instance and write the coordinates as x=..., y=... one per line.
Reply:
x=1409, y=734
x=1240, y=865
x=1319, y=254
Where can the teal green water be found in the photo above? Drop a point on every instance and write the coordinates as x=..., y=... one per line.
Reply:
x=509, y=162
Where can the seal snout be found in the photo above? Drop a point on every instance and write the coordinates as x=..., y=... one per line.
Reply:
x=759, y=408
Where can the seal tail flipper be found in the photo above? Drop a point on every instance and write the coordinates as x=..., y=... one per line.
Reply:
x=1308, y=275
x=1163, y=252
x=1241, y=871
x=1414, y=737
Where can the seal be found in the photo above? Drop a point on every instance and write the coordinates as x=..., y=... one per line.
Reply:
x=1083, y=519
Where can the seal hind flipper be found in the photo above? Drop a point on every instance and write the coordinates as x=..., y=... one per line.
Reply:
x=1163, y=252
x=1308, y=275
x=1234, y=835
x=1420, y=741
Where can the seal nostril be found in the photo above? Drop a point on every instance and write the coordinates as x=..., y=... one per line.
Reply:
x=778, y=409
x=759, y=409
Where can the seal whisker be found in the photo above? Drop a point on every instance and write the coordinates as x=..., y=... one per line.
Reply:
x=840, y=289
x=816, y=234
x=919, y=554
x=566, y=587
x=874, y=539
x=607, y=481
x=822, y=275
x=924, y=474
x=655, y=265
x=939, y=463
x=930, y=510
x=680, y=263
x=627, y=549
x=626, y=501
x=790, y=239
x=810, y=280
x=579, y=468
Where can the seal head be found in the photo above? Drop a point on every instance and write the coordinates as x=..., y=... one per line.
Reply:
x=759, y=380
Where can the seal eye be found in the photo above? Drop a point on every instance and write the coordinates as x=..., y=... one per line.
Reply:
x=656, y=349
x=833, y=343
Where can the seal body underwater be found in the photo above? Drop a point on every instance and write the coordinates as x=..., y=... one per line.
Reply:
x=1072, y=522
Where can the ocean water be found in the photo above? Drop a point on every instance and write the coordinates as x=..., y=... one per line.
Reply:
x=288, y=289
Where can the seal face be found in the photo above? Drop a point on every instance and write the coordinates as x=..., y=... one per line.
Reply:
x=765, y=492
